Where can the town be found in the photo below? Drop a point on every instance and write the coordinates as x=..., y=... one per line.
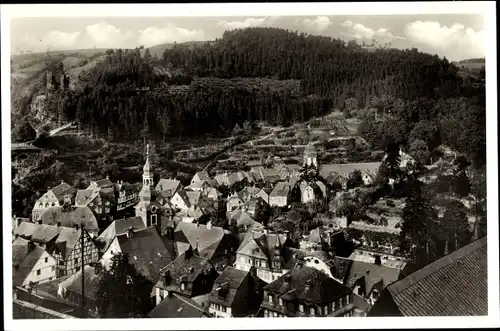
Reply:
x=264, y=173
x=249, y=266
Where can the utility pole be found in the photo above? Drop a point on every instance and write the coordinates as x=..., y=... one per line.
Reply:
x=83, y=271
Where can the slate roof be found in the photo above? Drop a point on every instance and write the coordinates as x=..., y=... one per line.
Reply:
x=118, y=227
x=202, y=175
x=199, y=236
x=280, y=189
x=261, y=245
x=146, y=251
x=176, y=306
x=62, y=190
x=345, y=170
x=322, y=289
x=26, y=263
x=292, y=256
x=76, y=215
x=74, y=282
x=67, y=240
x=25, y=229
x=19, y=250
x=371, y=275
x=102, y=183
x=44, y=233
x=454, y=285
x=232, y=278
x=188, y=265
x=183, y=195
x=83, y=197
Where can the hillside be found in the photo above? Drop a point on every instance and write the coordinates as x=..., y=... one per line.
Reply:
x=270, y=75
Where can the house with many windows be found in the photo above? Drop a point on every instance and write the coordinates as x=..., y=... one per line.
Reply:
x=61, y=195
x=236, y=293
x=31, y=264
x=306, y=292
x=263, y=251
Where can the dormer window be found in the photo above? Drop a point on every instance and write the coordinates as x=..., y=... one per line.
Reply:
x=183, y=286
x=280, y=302
x=270, y=298
x=375, y=294
x=301, y=308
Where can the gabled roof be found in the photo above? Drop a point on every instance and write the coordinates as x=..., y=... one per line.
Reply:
x=198, y=185
x=91, y=282
x=193, y=197
x=320, y=290
x=146, y=251
x=83, y=197
x=44, y=233
x=63, y=189
x=199, y=236
x=454, y=285
x=370, y=274
x=75, y=215
x=102, y=183
x=280, y=189
x=177, y=306
x=232, y=279
x=183, y=195
x=67, y=240
x=202, y=175
x=118, y=227
x=25, y=229
x=26, y=264
x=19, y=250
x=345, y=170
x=248, y=192
x=261, y=245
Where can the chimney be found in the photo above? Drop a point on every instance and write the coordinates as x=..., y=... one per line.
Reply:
x=209, y=225
x=167, y=277
x=378, y=261
x=39, y=221
x=130, y=232
x=58, y=224
x=31, y=246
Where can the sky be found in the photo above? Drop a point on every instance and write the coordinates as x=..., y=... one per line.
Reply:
x=454, y=36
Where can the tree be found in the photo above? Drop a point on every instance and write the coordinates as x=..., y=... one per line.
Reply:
x=454, y=225
x=419, y=223
x=420, y=151
x=122, y=292
x=355, y=179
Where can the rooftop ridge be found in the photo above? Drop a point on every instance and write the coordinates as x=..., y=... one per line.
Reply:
x=428, y=270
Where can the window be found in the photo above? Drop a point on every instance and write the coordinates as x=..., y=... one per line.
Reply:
x=154, y=220
x=76, y=260
x=249, y=261
x=375, y=294
x=266, y=313
x=61, y=262
x=77, y=269
x=275, y=314
x=312, y=311
x=280, y=302
x=360, y=292
x=341, y=302
x=46, y=205
x=325, y=311
x=263, y=264
x=301, y=308
x=53, y=268
x=223, y=308
x=270, y=298
x=107, y=210
x=183, y=286
x=53, y=204
x=38, y=272
x=46, y=260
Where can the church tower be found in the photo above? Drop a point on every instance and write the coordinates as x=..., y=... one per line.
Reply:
x=310, y=155
x=147, y=175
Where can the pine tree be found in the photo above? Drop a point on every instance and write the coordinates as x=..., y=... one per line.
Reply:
x=419, y=223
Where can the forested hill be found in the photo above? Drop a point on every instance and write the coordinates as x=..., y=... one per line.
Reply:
x=121, y=98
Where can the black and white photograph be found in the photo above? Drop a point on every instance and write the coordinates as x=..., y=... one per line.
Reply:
x=249, y=162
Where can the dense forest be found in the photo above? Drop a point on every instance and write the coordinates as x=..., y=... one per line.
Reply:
x=403, y=96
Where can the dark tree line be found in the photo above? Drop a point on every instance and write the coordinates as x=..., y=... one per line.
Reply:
x=408, y=93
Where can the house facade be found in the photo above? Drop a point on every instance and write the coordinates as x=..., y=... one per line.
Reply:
x=264, y=252
x=62, y=194
x=31, y=264
x=306, y=292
